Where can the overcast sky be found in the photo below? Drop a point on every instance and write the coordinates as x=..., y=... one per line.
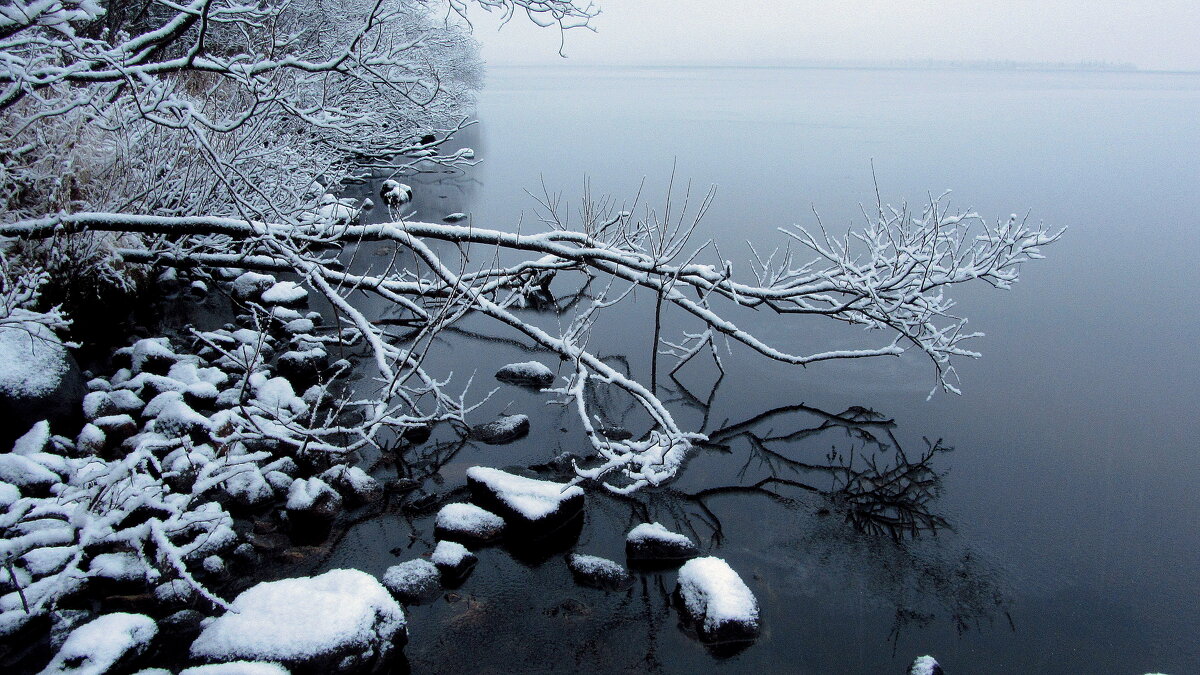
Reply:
x=1153, y=34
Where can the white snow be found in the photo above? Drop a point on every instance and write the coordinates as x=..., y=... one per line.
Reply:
x=395, y=193
x=534, y=499
x=352, y=480
x=251, y=283
x=454, y=217
x=656, y=532
x=48, y=560
x=304, y=493
x=449, y=554
x=118, y=566
x=95, y=647
x=34, y=440
x=923, y=665
x=594, y=565
x=150, y=348
x=9, y=494
x=411, y=577
x=470, y=519
x=238, y=668
x=24, y=472
x=285, y=313
x=299, y=619
x=527, y=370
x=284, y=293
x=33, y=360
x=277, y=397
x=91, y=438
x=712, y=590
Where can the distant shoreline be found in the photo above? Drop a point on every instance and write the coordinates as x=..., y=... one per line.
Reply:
x=987, y=67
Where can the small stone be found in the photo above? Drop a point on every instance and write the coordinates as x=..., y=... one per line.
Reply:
x=526, y=374
x=506, y=429
x=413, y=582
x=590, y=570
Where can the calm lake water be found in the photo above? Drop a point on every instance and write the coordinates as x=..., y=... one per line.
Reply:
x=1073, y=539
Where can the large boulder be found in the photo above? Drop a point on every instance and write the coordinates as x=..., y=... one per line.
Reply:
x=716, y=601
x=528, y=505
x=340, y=621
x=39, y=380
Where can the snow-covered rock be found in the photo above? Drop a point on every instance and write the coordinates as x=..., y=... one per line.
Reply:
x=394, y=193
x=355, y=485
x=9, y=494
x=34, y=440
x=103, y=645
x=468, y=523
x=505, y=429
x=339, y=621
x=525, y=503
x=299, y=326
x=591, y=570
x=925, y=665
x=287, y=293
x=106, y=403
x=454, y=217
x=526, y=374
x=453, y=559
x=302, y=366
x=333, y=210
x=26, y=474
x=91, y=440
x=413, y=581
x=717, y=601
x=311, y=507
x=314, y=496
x=251, y=284
x=39, y=379
x=122, y=567
x=152, y=355
x=651, y=542
x=173, y=417
x=249, y=488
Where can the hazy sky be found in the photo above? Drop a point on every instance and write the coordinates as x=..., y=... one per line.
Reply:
x=1154, y=34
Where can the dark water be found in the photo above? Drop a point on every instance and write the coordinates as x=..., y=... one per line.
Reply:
x=1067, y=538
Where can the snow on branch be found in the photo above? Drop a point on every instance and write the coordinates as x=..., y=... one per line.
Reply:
x=891, y=275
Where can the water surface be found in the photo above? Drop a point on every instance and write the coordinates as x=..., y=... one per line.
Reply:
x=1073, y=543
